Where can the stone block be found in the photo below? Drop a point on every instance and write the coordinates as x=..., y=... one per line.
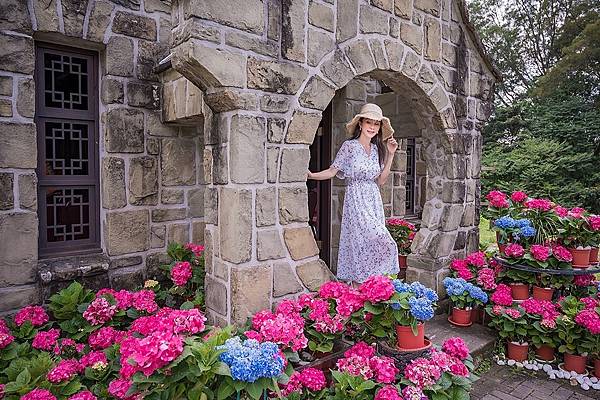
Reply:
x=153, y=262
x=155, y=127
x=216, y=295
x=211, y=205
x=293, y=26
x=157, y=5
x=111, y=91
x=273, y=19
x=285, y=280
x=6, y=108
x=99, y=20
x=127, y=278
x=251, y=289
x=439, y=98
x=19, y=250
x=113, y=183
x=300, y=242
x=142, y=95
x=119, y=56
x=273, y=76
x=220, y=165
x=246, y=15
x=432, y=7
x=317, y=94
x=425, y=78
x=153, y=146
x=178, y=162
x=148, y=56
x=442, y=244
x=274, y=103
x=26, y=98
x=321, y=16
x=337, y=69
x=252, y=43
x=394, y=52
x=195, y=28
x=433, y=31
x=319, y=45
x=28, y=192
x=198, y=232
x=46, y=15
x=247, y=154
x=157, y=236
x=293, y=205
x=313, y=274
x=265, y=207
x=412, y=36
x=14, y=16
x=18, y=145
x=269, y=245
x=373, y=21
x=17, y=54
x=143, y=181
x=17, y=297
x=379, y=54
x=451, y=217
x=399, y=201
x=127, y=232
x=360, y=56
x=294, y=164
x=73, y=13
x=195, y=201
x=6, y=85
x=7, y=200
x=347, y=20
x=403, y=9
x=412, y=63
x=275, y=130
x=134, y=25
x=235, y=225
x=168, y=214
x=226, y=99
x=178, y=233
x=303, y=127
x=124, y=131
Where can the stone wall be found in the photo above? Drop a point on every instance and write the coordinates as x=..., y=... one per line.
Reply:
x=268, y=69
x=151, y=174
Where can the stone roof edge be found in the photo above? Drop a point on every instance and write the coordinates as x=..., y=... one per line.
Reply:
x=462, y=6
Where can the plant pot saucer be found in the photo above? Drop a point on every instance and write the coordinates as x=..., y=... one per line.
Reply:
x=427, y=345
x=541, y=360
x=561, y=365
x=581, y=266
x=458, y=324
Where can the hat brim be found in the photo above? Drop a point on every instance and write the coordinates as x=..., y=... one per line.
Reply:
x=386, y=127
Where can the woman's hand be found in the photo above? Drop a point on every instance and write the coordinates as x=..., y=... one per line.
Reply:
x=309, y=174
x=392, y=146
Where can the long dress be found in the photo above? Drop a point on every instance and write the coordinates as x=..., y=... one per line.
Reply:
x=366, y=246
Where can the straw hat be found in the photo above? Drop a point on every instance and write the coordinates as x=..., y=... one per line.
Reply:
x=372, y=111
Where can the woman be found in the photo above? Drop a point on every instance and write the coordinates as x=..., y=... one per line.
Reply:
x=366, y=246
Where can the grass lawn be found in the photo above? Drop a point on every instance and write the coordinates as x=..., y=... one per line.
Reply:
x=486, y=235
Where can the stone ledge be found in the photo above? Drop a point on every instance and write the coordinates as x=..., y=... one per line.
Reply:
x=478, y=338
x=72, y=268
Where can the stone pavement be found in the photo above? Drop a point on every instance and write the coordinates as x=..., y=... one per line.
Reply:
x=506, y=383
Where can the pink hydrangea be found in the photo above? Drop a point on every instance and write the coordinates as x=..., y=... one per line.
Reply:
x=476, y=259
x=576, y=212
x=584, y=280
x=502, y=296
x=377, y=288
x=105, y=337
x=413, y=393
x=456, y=347
x=422, y=372
x=350, y=302
x=462, y=269
x=486, y=277
x=197, y=249
x=5, y=339
x=313, y=379
x=333, y=290
x=518, y=197
x=360, y=349
x=543, y=308
x=594, y=222
x=119, y=387
x=513, y=313
x=38, y=394
x=94, y=358
x=99, y=311
x=561, y=253
x=150, y=353
x=590, y=302
x=1, y=390
x=64, y=371
x=85, y=395
x=181, y=273
x=388, y=392
x=46, y=340
x=561, y=211
x=514, y=250
x=590, y=320
x=497, y=199
x=459, y=369
x=3, y=327
x=124, y=299
x=289, y=307
x=356, y=366
x=188, y=322
x=34, y=314
x=144, y=301
x=539, y=252
x=284, y=330
x=539, y=204
x=384, y=368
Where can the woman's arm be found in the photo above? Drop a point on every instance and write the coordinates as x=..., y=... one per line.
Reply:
x=387, y=167
x=323, y=175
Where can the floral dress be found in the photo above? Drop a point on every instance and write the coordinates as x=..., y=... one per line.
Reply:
x=366, y=246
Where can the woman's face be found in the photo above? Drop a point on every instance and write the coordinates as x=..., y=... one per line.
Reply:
x=369, y=127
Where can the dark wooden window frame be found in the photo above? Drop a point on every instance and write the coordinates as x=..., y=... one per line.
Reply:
x=411, y=178
x=90, y=118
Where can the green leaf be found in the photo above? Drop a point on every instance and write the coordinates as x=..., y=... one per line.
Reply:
x=187, y=305
x=23, y=378
x=255, y=390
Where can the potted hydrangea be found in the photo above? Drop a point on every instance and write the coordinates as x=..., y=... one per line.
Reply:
x=464, y=296
x=575, y=234
x=594, y=227
x=511, y=324
x=403, y=233
x=589, y=318
x=510, y=230
x=542, y=331
x=570, y=333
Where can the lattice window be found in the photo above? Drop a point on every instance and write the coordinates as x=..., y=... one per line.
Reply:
x=410, y=176
x=67, y=121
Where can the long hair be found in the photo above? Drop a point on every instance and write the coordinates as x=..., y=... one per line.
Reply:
x=377, y=139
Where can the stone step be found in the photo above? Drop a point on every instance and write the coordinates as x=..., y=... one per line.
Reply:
x=478, y=338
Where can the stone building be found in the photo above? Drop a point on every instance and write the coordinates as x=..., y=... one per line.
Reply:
x=129, y=124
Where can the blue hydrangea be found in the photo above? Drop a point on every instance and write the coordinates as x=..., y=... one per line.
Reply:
x=521, y=223
x=477, y=293
x=395, y=306
x=250, y=360
x=505, y=222
x=421, y=308
x=528, y=231
x=455, y=286
x=401, y=287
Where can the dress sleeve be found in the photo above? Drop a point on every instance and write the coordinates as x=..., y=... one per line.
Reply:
x=343, y=161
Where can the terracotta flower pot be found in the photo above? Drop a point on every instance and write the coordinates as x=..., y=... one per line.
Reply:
x=402, y=261
x=406, y=340
x=519, y=291
x=516, y=351
x=477, y=314
x=597, y=367
x=576, y=363
x=461, y=316
x=594, y=255
x=581, y=258
x=540, y=293
x=545, y=352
